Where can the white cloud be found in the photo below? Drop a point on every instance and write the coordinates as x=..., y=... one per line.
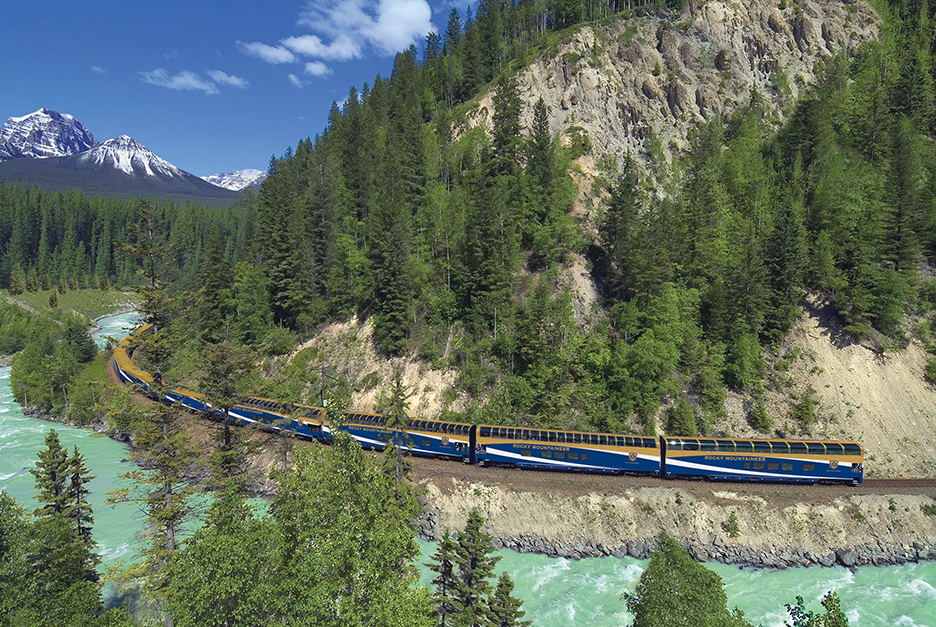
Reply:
x=98, y=70
x=226, y=79
x=317, y=68
x=342, y=48
x=184, y=80
x=387, y=25
x=270, y=54
x=295, y=80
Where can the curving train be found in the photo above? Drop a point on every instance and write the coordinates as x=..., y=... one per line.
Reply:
x=716, y=459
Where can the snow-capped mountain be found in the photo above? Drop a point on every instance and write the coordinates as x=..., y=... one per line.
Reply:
x=130, y=157
x=119, y=167
x=44, y=133
x=238, y=179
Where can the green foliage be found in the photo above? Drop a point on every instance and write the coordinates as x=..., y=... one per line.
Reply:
x=674, y=590
x=163, y=492
x=339, y=501
x=17, y=283
x=834, y=616
x=806, y=410
x=731, y=525
x=44, y=372
x=463, y=594
x=223, y=574
x=680, y=419
x=47, y=566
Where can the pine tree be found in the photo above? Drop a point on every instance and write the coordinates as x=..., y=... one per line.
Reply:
x=80, y=511
x=214, y=281
x=475, y=568
x=396, y=418
x=32, y=281
x=446, y=579
x=52, y=473
x=504, y=607
x=225, y=364
x=163, y=492
x=676, y=591
x=17, y=280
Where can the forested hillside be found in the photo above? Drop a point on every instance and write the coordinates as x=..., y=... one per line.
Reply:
x=454, y=238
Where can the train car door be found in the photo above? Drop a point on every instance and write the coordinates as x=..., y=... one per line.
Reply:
x=472, y=442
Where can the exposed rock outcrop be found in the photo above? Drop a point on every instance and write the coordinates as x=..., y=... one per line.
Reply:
x=650, y=78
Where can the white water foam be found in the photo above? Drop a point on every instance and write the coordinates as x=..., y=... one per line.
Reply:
x=545, y=574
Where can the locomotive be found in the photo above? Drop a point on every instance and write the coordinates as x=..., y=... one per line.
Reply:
x=671, y=457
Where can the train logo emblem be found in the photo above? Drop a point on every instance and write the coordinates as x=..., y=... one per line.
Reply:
x=633, y=456
x=445, y=441
x=833, y=464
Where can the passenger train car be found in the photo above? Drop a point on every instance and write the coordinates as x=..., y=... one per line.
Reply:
x=715, y=459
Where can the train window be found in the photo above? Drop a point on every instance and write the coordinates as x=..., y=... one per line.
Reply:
x=690, y=445
x=773, y=466
x=485, y=432
x=786, y=467
x=620, y=441
x=595, y=439
x=650, y=443
x=560, y=454
x=725, y=446
x=602, y=440
x=852, y=449
x=797, y=448
x=526, y=452
x=834, y=448
x=573, y=455
x=561, y=437
x=747, y=465
x=547, y=454
x=534, y=435
x=762, y=447
x=577, y=438
x=809, y=467
x=758, y=465
x=526, y=434
x=584, y=456
x=674, y=445
x=815, y=448
x=510, y=434
x=552, y=436
x=744, y=447
x=780, y=447
x=427, y=442
x=628, y=440
x=707, y=445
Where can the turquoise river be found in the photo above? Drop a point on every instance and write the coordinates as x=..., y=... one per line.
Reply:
x=555, y=592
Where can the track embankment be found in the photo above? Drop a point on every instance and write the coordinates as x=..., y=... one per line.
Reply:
x=883, y=521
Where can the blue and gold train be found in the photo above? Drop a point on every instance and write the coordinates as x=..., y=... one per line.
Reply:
x=716, y=459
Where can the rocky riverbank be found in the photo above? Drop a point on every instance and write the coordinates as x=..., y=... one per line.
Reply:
x=761, y=526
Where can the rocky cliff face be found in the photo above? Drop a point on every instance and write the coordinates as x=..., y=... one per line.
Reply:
x=639, y=86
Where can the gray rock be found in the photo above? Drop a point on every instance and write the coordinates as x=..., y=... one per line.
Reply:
x=846, y=557
x=723, y=60
x=776, y=22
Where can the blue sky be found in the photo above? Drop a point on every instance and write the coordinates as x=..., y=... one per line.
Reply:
x=208, y=86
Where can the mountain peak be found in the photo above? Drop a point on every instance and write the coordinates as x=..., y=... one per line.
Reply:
x=237, y=180
x=128, y=155
x=43, y=133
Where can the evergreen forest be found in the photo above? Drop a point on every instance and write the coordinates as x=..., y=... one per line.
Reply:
x=452, y=240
